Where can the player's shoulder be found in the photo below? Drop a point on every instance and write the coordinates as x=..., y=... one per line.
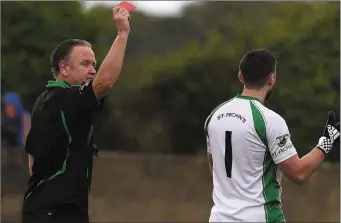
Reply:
x=272, y=118
x=220, y=106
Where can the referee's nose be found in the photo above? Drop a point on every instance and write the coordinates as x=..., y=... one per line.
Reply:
x=92, y=72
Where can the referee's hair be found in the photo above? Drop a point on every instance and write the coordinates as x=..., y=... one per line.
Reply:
x=256, y=67
x=63, y=51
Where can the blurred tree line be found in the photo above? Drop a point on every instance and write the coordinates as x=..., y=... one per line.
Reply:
x=177, y=70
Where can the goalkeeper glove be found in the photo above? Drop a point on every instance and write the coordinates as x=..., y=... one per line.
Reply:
x=331, y=134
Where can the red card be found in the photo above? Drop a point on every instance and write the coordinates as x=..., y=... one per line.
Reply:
x=128, y=6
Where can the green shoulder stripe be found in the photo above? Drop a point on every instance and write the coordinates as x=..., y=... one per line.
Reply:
x=271, y=187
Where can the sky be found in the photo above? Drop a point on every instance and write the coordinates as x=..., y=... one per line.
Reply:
x=155, y=8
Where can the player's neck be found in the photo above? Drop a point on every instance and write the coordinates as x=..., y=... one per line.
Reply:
x=259, y=94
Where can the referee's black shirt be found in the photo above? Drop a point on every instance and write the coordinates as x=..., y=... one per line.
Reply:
x=60, y=140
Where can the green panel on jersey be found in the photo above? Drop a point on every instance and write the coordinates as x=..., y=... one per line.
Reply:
x=271, y=188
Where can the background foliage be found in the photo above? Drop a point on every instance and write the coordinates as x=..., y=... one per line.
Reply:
x=177, y=70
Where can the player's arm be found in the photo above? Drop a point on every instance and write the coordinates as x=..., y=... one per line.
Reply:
x=111, y=66
x=209, y=154
x=285, y=156
x=299, y=169
x=208, y=144
x=210, y=162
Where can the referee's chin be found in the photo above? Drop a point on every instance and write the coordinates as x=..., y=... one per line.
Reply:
x=88, y=80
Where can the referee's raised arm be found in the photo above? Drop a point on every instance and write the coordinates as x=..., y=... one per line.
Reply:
x=112, y=64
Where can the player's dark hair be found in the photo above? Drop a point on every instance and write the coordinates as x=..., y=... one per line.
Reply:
x=63, y=50
x=256, y=67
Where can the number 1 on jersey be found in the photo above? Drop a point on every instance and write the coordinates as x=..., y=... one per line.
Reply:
x=228, y=153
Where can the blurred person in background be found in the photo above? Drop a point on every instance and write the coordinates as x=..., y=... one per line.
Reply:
x=59, y=143
x=249, y=146
x=15, y=124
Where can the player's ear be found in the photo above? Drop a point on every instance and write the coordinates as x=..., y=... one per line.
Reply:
x=272, y=79
x=240, y=76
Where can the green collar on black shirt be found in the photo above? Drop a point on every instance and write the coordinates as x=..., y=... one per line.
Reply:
x=62, y=84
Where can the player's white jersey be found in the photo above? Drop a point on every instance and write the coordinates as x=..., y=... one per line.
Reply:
x=246, y=141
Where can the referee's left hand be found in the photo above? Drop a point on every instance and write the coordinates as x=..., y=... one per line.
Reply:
x=121, y=18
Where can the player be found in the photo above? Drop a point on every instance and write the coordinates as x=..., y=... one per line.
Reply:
x=249, y=146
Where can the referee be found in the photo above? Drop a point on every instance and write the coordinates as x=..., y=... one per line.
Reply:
x=59, y=142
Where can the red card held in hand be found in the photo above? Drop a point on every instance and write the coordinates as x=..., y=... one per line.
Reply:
x=128, y=6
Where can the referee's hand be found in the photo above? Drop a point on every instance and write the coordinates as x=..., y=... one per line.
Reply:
x=121, y=18
x=331, y=134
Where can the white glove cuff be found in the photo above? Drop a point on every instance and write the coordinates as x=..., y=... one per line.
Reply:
x=325, y=145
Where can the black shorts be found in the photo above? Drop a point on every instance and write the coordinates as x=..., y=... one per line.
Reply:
x=60, y=215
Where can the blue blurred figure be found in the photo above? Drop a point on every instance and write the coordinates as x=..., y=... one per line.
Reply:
x=15, y=124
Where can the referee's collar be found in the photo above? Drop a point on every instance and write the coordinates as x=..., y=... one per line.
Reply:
x=247, y=98
x=61, y=84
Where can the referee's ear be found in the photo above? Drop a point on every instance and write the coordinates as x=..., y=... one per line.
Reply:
x=240, y=76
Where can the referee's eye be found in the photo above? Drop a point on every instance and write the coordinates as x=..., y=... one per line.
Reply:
x=87, y=63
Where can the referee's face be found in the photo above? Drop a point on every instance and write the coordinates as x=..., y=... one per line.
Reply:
x=82, y=65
